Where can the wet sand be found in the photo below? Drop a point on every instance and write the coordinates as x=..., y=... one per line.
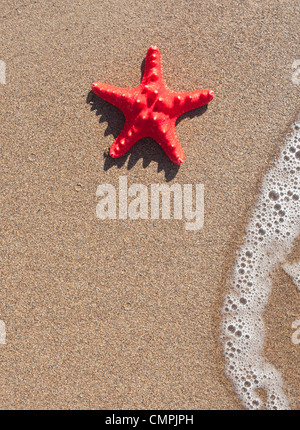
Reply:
x=121, y=313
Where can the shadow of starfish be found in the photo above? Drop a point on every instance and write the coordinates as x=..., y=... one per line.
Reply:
x=116, y=120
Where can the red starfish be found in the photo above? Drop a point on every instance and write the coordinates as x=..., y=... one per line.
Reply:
x=151, y=109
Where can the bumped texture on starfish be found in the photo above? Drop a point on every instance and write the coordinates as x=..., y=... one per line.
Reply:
x=151, y=109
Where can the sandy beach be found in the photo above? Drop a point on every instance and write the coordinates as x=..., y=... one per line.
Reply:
x=122, y=313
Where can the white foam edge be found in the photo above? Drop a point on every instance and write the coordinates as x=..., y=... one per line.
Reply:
x=270, y=234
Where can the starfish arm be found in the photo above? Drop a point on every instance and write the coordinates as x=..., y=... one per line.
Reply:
x=168, y=140
x=153, y=67
x=184, y=102
x=119, y=97
x=126, y=139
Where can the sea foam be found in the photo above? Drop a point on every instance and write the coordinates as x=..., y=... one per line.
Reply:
x=273, y=227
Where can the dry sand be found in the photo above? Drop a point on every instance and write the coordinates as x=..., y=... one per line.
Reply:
x=126, y=314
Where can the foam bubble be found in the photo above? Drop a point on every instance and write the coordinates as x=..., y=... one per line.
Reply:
x=273, y=227
x=294, y=271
